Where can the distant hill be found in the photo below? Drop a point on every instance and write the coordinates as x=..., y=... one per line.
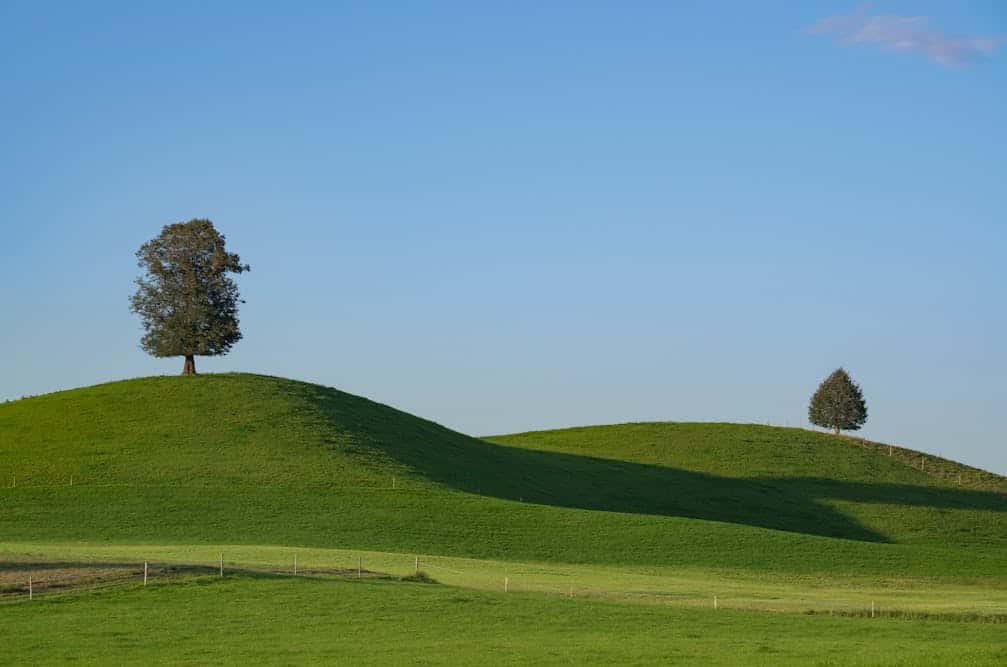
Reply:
x=240, y=458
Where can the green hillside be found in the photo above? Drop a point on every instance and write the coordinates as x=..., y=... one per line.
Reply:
x=792, y=479
x=245, y=459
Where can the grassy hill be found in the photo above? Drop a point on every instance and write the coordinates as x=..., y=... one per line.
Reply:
x=792, y=479
x=245, y=459
x=643, y=543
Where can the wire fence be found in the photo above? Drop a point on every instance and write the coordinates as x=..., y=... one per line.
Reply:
x=22, y=580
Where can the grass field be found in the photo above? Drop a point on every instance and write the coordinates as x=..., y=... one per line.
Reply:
x=311, y=620
x=641, y=521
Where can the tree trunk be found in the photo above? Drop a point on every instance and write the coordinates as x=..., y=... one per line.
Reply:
x=189, y=368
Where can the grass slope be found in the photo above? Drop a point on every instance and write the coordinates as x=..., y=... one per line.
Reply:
x=246, y=459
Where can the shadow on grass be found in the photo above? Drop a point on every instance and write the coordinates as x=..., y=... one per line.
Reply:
x=583, y=482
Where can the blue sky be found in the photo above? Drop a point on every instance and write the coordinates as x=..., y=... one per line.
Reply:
x=507, y=216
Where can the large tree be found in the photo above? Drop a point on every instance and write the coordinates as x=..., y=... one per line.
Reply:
x=838, y=404
x=185, y=298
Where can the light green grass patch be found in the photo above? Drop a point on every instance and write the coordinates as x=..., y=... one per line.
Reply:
x=680, y=587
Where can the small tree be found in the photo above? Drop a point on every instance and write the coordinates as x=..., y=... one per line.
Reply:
x=185, y=299
x=838, y=404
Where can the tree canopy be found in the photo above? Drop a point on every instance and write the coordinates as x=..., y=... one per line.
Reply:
x=838, y=403
x=186, y=300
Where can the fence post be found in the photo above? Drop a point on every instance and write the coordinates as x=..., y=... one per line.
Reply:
x=359, y=566
x=30, y=593
x=506, y=584
x=222, y=564
x=417, y=568
x=715, y=602
x=295, y=565
x=144, y=573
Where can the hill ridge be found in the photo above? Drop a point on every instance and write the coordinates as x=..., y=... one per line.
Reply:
x=934, y=465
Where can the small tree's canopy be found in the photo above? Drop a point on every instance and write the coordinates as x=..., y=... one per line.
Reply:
x=838, y=404
x=187, y=302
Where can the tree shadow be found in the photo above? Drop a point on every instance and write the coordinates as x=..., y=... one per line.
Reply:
x=583, y=482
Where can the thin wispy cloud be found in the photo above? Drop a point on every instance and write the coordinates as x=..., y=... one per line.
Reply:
x=905, y=34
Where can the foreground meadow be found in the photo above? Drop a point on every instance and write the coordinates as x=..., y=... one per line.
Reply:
x=309, y=620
